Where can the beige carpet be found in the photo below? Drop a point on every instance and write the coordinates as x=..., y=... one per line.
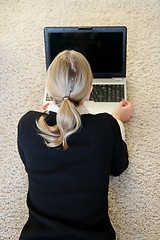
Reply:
x=135, y=195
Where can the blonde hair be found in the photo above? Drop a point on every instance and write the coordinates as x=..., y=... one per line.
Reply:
x=69, y=80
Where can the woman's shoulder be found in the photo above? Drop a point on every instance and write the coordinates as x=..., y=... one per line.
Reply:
x=102, y=117
x=33, y=116
x=29, y=117
x=101, y=120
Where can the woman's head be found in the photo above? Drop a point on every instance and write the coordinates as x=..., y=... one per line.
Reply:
x=69, y=83
x=69, y=75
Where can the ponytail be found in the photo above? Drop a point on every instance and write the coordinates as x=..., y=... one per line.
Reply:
x=68, y=122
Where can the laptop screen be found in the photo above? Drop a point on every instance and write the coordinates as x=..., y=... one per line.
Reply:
x=104, y=47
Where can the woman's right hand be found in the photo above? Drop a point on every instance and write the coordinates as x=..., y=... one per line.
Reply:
x=43, y=108
x=123, y=111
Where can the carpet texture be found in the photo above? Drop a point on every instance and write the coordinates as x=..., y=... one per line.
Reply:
x=134, y=197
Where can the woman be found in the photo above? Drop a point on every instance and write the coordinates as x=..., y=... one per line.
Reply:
x=69, y=154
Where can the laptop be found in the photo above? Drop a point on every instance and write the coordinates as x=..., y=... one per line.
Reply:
x=105, y=50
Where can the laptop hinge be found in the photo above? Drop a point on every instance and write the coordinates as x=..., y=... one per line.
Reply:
x=118, y=79
x=85, y=28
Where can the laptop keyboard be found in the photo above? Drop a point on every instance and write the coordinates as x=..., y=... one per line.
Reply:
x=107, y=93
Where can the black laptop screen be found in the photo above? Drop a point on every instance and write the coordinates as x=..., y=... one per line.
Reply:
x=105, y=48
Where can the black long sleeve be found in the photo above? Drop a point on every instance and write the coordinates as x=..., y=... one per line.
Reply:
x=68, y=190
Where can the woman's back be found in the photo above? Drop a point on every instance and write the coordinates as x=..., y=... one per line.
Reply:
x=68, y=190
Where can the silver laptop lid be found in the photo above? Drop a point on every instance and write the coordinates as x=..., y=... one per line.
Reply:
x=104, y=47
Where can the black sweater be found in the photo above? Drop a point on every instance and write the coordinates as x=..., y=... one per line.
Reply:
x=68, y=189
